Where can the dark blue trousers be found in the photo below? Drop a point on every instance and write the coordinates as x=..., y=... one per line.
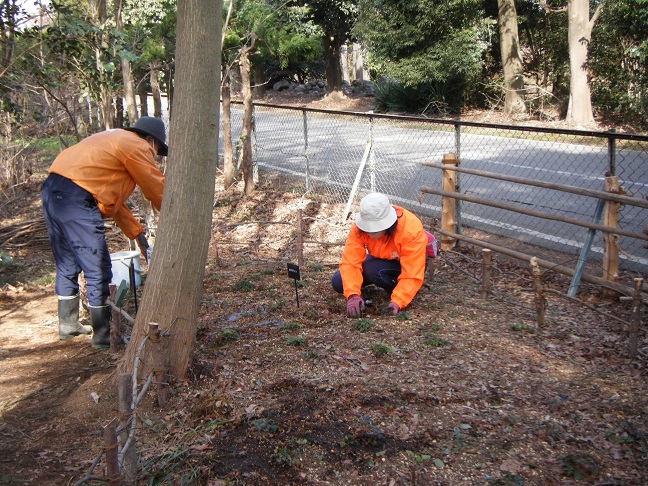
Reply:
x=376, y=271
x=76, y=233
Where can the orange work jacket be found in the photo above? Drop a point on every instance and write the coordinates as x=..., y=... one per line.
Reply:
x=406, y=244
x=108, y=165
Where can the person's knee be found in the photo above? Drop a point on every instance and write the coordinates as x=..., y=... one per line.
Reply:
x=336, y=282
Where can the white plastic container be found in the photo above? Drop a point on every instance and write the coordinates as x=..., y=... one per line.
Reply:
x=121, y=263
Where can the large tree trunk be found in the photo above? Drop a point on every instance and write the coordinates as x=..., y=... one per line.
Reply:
x=511, y=57
x=332, y=48
x=226, y=124
x=245, y=162
x=579, y=35
x=174, y=285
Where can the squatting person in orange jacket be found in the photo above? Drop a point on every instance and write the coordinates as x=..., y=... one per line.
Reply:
x=387, y=247
x=88, y=182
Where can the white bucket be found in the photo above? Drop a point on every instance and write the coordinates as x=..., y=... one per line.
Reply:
x=121, y=262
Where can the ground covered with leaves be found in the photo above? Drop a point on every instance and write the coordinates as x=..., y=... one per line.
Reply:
x=284, y=389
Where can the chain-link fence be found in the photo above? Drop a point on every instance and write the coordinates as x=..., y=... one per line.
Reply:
x=343, y=156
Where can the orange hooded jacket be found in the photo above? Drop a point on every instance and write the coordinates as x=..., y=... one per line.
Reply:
x=108, y=165
x=406, y=244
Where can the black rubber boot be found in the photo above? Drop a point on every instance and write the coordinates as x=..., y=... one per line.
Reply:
x=100, y=316
x=68, y=315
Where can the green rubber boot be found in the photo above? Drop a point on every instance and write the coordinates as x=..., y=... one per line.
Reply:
x=68, y=315
x=100, y=316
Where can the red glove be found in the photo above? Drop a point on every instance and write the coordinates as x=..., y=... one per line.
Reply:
x=392, y=309
x=355, y=306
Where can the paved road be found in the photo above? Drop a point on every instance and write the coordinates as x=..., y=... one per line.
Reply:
x=336, y=146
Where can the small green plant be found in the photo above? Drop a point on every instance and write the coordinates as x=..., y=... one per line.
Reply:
x=286, y=457
x=316, y=267
x=276, y=305
x=379, y=349
x=268, y=271
x=243, y=285
x=363, y=325
x=227, y=335
x=434, y=340
x=291, y=326
x=519, y=326
x=311, y=354
x=403, y=316
x=266, y=425
x=295, y=341
x=417, y=458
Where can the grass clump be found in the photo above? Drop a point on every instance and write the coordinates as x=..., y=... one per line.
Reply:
x=363, y=325
x=379, y=349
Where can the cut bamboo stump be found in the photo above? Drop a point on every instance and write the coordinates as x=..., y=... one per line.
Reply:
x=449, y=204
x=487, y=281
x=540, y=301
x=635, y=322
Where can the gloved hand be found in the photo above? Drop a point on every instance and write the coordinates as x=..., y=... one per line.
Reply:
x=391, y=309
x=142, y=243
x=355, y=306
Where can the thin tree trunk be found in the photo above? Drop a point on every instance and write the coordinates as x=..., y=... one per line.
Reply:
x=245, y=162
x=226, y=124
x=155, y=91
x=127, y=74
x=174, y=285
x=332, y=47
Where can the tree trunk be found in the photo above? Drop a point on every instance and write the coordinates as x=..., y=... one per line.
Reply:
x=579, y=34
x=226, y=124
x=174, y=284
x=127, y=73
x=511, y=57
x=245, y=162
x=332, y=48
x=155, y=91
x=142, y=93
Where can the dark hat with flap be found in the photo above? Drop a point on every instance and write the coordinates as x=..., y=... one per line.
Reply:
x=149, y=125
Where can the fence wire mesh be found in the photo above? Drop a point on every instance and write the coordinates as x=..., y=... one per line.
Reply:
x=343, y=156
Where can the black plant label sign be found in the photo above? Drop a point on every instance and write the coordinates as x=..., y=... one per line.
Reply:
x=293, y=271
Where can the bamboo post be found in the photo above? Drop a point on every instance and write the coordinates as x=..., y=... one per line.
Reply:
x=486, y=287
x=125, y=399
x=449, y=204
x=115, y=322
x=611, y=219
x=539, y=294
x=159, y=370
x=633, y=336
x=300, y=239
x=112, y=462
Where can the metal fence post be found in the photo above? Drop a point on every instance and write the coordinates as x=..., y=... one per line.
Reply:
x=612, y=152
x=458, y=179
x=372, y=160
x=305, y=118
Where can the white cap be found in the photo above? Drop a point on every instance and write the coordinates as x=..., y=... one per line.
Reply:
x=376, y=213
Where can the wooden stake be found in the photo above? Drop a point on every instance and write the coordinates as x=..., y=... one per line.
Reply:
x=611, y=219
x=125, y=400
x=110, y=445
x=159, y=370
x=633, y=335
x=487, y=285
x=115, y=322
x=539, y=294
x=300, y=240
x=449, y=204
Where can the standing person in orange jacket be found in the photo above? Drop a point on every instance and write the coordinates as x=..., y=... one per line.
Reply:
x=88, y=182
x=387, y=247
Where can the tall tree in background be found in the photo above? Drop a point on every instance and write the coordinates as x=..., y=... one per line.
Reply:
x=174, y=284
x=336, y=18
x=580, y=111
x=511, y=57
x=126, y=70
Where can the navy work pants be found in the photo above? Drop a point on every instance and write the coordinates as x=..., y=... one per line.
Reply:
x=76, y=233
x=376, y=271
